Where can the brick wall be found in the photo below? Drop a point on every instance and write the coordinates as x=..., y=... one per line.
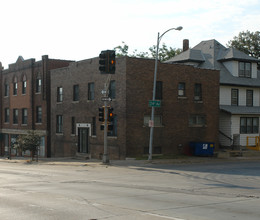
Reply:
x=134, y=84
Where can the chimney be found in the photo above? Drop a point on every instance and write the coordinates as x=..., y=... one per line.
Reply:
x=185, y=45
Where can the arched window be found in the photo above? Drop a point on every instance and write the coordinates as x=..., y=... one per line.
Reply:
x=38, y=83
x=15, y=86
x=7, y=88
x=24, y=85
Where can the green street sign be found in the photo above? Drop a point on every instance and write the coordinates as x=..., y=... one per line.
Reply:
x=154, y=103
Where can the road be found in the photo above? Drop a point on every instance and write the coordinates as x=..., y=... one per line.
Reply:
x=74, y=191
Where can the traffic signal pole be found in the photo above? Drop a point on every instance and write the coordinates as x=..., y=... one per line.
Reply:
x=107, y=64
x=105, y=155
x=105, y=94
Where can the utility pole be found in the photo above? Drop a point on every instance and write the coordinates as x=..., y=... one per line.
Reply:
x=107, y=62
x=105, y=93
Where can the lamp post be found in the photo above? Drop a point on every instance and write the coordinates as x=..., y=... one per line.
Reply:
x=154, y=89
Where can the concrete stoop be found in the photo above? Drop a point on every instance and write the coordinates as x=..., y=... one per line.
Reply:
x=82, y=156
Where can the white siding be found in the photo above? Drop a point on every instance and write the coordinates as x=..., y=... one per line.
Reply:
x=225, y=127
x=235, y=129
x=254, y=70
x=232, y=67
x=225, y=95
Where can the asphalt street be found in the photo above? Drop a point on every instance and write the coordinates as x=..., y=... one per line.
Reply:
x=70, y=189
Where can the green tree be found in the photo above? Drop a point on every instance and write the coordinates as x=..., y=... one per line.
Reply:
x=121, y=50
x=164, y=52
x=247, y=42
x=29, y=141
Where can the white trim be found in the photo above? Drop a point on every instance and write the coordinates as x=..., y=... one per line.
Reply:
x=83, y=125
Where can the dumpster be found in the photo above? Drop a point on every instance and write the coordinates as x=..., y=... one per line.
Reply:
x=202, y=148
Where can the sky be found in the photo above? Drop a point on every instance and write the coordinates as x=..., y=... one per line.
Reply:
x=81, y=29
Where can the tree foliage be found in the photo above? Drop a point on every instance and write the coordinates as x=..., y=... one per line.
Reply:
x=29, y=141
x=164, y=53
x=247, y=42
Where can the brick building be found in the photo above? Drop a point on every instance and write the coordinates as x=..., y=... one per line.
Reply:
x=189, y=108
x=25, y=101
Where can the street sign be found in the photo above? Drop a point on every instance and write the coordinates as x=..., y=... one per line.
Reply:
x=106, y=99
x=103, y=92
x=154, y=103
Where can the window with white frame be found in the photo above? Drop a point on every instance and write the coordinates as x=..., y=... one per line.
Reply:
x=244, y=69
x=249, y=97
x=234, y=97
x=249, y=125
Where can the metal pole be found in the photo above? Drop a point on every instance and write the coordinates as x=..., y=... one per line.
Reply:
x=154, y=91
x=105, y=155
x=106, y=93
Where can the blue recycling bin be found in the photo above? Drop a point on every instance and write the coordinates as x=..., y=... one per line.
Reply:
x=202, y=148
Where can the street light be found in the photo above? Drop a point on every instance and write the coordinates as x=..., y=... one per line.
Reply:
x=154, y=89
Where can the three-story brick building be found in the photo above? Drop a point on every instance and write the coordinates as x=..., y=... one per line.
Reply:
x=25, y=101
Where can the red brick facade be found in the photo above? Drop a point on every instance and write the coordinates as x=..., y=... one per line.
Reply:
x=26, y=101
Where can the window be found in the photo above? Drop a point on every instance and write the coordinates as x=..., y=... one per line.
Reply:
x=15, y=116
x=15, y=86
x=59, y=94
x=73, y=125
x=244, y=69
x=197, y=120
x=59, y=124
x=7, y=115
x=38, y=114
x=197, y=92
x=159, y=88
x=181, y=89
x=113, y=132
x=234, y=97
x=38, y=85
x=91, y=91
x=157, y=120
x=76, y=93
x=112, y=89
x=24, y=85
x=24, y=116
x=6, y=89
x=94, y=127
x=249, y=98
x=249, y=125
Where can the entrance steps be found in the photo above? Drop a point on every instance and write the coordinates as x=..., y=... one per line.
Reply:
x=82, y=156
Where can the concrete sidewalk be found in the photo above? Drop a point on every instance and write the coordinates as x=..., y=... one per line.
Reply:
x=127, y=162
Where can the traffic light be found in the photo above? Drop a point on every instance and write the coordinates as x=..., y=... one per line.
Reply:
x=111, y=61
x=103, y=61
x=101, y=114
x=107, y=61
x=110, y=114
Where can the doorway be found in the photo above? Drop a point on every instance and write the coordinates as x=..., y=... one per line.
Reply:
x=83, y=140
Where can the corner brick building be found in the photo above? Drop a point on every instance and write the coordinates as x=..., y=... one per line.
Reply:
x=25, y=101
x=189, y=108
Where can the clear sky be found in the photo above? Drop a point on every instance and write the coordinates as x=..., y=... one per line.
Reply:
x=80, y=29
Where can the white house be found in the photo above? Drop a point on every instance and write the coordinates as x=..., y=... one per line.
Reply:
x=239, y=88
